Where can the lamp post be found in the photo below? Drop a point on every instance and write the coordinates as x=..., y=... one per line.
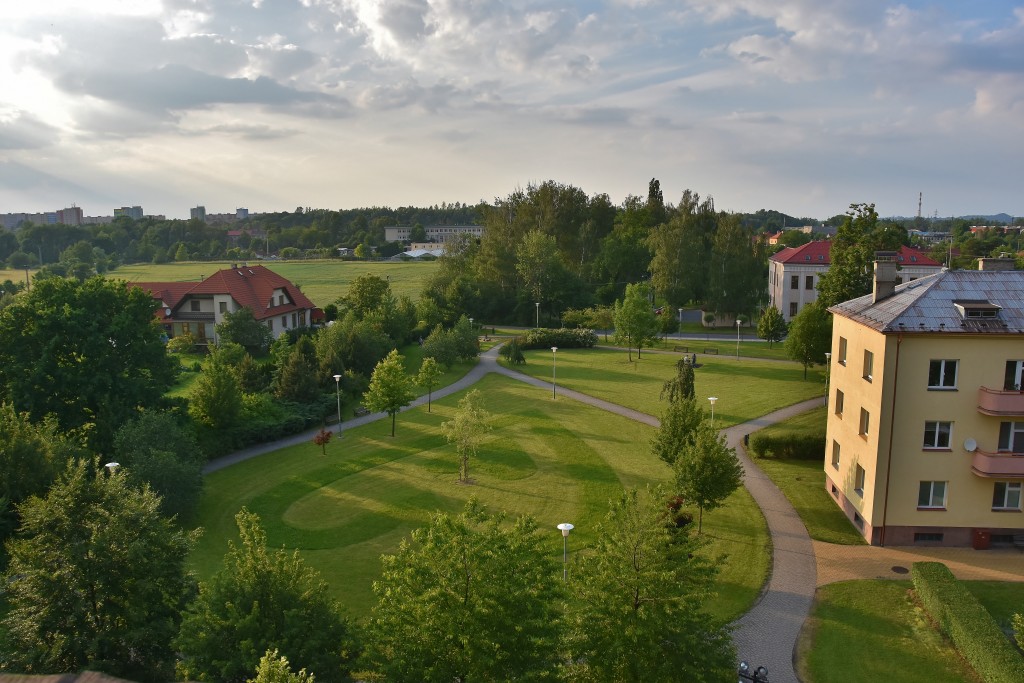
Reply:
x=112, y=467
x=712, y=399
x=680, y=323
x=537, y=304
x=565, y=528
x=828, y=367
x=337, y=393
x=758, y=675
x=738, y=323
x=554, y=352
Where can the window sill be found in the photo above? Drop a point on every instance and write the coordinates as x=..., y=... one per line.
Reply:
x=859, y=492
x=921, y=509
x=942, y=389
x=937, y=449
x=843, y=362
x=867, y=378
x=1017, y=510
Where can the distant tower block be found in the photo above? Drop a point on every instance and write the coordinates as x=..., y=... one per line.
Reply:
x=198, y=213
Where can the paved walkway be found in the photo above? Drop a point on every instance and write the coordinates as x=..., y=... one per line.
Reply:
x=854, y=562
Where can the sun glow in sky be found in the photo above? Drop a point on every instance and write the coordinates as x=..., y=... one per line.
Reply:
x=803, y=106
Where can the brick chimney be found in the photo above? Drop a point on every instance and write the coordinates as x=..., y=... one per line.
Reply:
x=1001, y=263
x=885, y=276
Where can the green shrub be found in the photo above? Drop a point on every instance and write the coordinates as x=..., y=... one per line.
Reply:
x=563, y=338
x=788, y=446
x=971, y=628
x=183, y=343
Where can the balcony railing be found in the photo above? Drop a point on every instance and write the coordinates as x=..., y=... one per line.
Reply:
x=200, y=316
x=998, y=465
x=998, y=403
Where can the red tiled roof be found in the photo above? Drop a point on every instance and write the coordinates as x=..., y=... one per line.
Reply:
x=819, y=253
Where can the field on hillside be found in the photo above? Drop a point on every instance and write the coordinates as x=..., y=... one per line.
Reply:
x=322, y=281
x=560, y=461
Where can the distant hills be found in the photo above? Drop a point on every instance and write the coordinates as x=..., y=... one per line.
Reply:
x=981, y=218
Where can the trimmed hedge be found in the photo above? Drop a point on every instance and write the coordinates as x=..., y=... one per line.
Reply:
x=285, y=419
x=564, y=338
x=788, y=446
x=967, y=623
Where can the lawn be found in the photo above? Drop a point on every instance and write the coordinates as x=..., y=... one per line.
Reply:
x=871, y=631
x=1002, y=599
x=558, y=461
x=745, y=389
x=322, y=281
x=803, y=483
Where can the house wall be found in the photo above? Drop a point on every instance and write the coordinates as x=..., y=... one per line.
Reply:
x=780, y=288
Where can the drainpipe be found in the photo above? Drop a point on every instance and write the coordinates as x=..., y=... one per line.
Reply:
x=892, y=424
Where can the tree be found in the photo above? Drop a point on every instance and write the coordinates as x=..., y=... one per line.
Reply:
x=678, y=426
x=366, y=293
x=681, y=250
x=88, y=352
x=466, y=598
x=512, y=351
x=275, y=669
x=637, y=606
x=321, y=439
x=737, y=269
x=97, y=579
x=427, y=377
x=390, y=387
x=258, y=601
x=810, y=336
x=216, y=399
x=635, y=322
x=707, y=471
x=682, y=385
x=241, y=327
x=772, y=326
x=466, y=429
x=155, y=449
x=297, y=378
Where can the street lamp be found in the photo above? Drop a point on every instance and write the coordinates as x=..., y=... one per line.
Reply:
x=537, y=304
x=712, y=399
x=759, y=675
x=554, y=351
x=738, y=323
x=112, y=466
x=828, y=366
x=565, y=528
x=680, y=323
x=337, y=392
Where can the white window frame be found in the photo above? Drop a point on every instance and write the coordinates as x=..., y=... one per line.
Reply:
x=1015, y=444
x=1010, y=489
x=935, y=426
x=941, y=386
x=933, y=488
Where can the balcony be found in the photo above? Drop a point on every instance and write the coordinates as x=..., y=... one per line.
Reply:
x=997, y=465
x=196, y=316
x=1000, y=403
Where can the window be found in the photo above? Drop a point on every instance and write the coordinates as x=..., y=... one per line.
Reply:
x=284, y=321
x=869, y=365
x=193, y=305
x=794, y=282
x=840, y=398
x=936, y=434
x=223, y=306
x=865, y=422
x=942, y=374
x=835, y=454
x=931, y=495
x=1011, y=437
x=809, y=282
x=928, y=537
x=858, y=482
x=1013, y=381
x=842, y=351
x=792, y=309
x=1006, y=495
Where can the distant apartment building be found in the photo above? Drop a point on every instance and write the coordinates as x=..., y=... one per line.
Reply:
x=70, y=216
x=793, y=273
x=133, y=212
x=436, y=234
x=925, y=431
x=198, y=213
x=241, y=214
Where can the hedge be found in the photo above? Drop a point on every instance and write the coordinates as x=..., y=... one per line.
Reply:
x=788, y=446
x=968, y=624
x=288, y=418
x=564, y=338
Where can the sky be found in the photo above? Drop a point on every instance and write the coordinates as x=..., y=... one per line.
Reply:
x=802, y=106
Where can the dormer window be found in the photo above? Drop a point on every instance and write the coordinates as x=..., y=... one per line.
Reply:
x=977, y=310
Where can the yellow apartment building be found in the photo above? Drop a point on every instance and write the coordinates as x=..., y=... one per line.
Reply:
x=925, y=436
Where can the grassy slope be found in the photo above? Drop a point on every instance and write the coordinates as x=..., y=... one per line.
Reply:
x=558, y=461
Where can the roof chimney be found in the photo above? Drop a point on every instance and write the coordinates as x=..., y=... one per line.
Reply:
x=885, y=276
x=1001, y=263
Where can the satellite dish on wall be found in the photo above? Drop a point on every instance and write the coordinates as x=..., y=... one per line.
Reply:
x=970, y=445
x=167, y=312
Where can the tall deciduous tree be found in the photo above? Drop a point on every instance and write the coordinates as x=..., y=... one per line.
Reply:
x=635, y=322
x=216, y=399
x=428, y=376
x=707, y=471
x=737, y=273
x=677, y=430
x=275, y=669
x=466, y=429
x=241, y=327
x=262, y=600
x=772, y=326
x=637, y=606
x=681, y=250
x=366, y=293
x=390, y=387
x=88, y=352
x=810, y=336
x=466, y=598
x=97, y=579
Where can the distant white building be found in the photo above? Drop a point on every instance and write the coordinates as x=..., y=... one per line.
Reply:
x=435, y=233
x=133, y=212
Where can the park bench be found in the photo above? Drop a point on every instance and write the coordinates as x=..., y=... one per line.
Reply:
x=684, y=349
x=712, y=350
x=360, y=411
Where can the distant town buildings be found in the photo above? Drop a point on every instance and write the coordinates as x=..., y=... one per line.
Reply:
x=437, y=234
x=133, y=212
x=198, y=213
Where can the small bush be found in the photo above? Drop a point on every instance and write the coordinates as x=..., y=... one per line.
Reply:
x=971, y=628
x=788, y=446
x=183, y=343
x=563, y=338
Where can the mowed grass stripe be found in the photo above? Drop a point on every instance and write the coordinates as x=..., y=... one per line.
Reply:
x=556, y=460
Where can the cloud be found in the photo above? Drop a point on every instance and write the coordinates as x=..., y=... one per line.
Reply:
x=24, y=130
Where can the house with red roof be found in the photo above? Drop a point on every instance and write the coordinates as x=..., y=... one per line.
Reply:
x=196, y=307
x=793, y=273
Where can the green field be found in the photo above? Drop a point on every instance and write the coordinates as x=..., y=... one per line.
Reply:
x=556, y=460
x=322, y=281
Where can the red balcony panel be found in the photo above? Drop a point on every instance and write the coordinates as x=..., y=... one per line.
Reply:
x=999, y=403
x=997, y=465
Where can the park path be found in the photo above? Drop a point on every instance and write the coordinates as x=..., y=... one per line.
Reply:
x=767, y=634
